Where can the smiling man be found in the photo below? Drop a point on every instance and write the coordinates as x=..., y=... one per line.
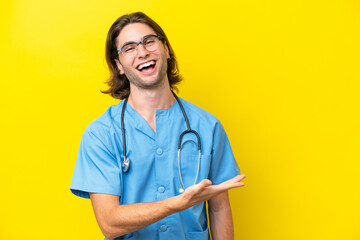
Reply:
x=151, y=162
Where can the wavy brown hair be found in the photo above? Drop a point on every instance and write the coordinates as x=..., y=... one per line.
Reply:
x=119, y=84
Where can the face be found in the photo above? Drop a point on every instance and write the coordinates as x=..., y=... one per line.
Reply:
x=147, y=69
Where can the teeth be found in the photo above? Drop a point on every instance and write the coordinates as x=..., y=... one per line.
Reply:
x=146, y=65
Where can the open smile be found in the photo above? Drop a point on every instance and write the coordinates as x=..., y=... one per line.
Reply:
x=147, y=67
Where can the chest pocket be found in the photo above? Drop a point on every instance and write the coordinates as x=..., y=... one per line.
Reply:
x=204, y=235
x=189, y=161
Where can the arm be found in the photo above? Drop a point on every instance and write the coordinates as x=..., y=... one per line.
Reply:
x=116, y=220
x=221, y=223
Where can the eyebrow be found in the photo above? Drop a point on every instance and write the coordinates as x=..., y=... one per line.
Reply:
x=127, y=43
x=130, y=42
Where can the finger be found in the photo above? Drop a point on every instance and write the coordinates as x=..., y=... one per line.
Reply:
x=237, y=178
x=239, y=184
x=233, y=183
x=223, y=187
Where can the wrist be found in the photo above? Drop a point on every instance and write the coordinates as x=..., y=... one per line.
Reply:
x=177, y=204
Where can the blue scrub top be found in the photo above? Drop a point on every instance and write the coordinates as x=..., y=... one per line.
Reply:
x=153, y=173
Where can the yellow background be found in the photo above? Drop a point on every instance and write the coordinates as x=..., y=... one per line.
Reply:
x=282, y=76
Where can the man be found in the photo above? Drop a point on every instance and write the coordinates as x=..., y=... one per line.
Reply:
x=143, y=189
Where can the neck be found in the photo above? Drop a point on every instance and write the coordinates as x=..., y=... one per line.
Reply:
x=146, y=101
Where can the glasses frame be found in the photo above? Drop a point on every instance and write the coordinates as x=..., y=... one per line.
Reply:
x=138, y=43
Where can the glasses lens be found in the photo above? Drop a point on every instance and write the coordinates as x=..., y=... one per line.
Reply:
x=129, y=49
x=151, y=43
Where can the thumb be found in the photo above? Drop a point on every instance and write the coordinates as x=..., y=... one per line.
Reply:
x=204, y=183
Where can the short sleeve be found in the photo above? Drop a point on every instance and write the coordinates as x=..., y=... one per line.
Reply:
x=223, y=163
x=96, y=169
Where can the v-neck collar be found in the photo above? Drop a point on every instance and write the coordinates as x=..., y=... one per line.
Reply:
x=141, y=124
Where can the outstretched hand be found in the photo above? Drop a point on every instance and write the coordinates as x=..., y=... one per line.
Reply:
x=205, y=190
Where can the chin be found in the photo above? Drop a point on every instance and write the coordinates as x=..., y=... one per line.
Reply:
x=147, y=84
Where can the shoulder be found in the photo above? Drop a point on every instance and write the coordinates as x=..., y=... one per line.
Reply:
x=102, y=126
x=201, y=114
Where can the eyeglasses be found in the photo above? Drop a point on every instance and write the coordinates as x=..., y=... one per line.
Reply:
x=149, y=42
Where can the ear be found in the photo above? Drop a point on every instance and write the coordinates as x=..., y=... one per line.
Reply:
x=167, y=51
x=118, y=64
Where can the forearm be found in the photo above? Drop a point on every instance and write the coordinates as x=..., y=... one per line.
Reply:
x=128, y=218
x=221, y=223
x=118, y=220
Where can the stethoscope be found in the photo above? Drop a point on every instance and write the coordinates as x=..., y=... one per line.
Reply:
x=126, y=162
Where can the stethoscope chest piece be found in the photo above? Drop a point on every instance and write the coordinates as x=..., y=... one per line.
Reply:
x=126, y=165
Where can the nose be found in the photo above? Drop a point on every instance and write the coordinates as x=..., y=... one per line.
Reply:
x=141, y=51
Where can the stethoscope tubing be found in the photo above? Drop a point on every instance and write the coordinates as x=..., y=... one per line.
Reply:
x=126, y=162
